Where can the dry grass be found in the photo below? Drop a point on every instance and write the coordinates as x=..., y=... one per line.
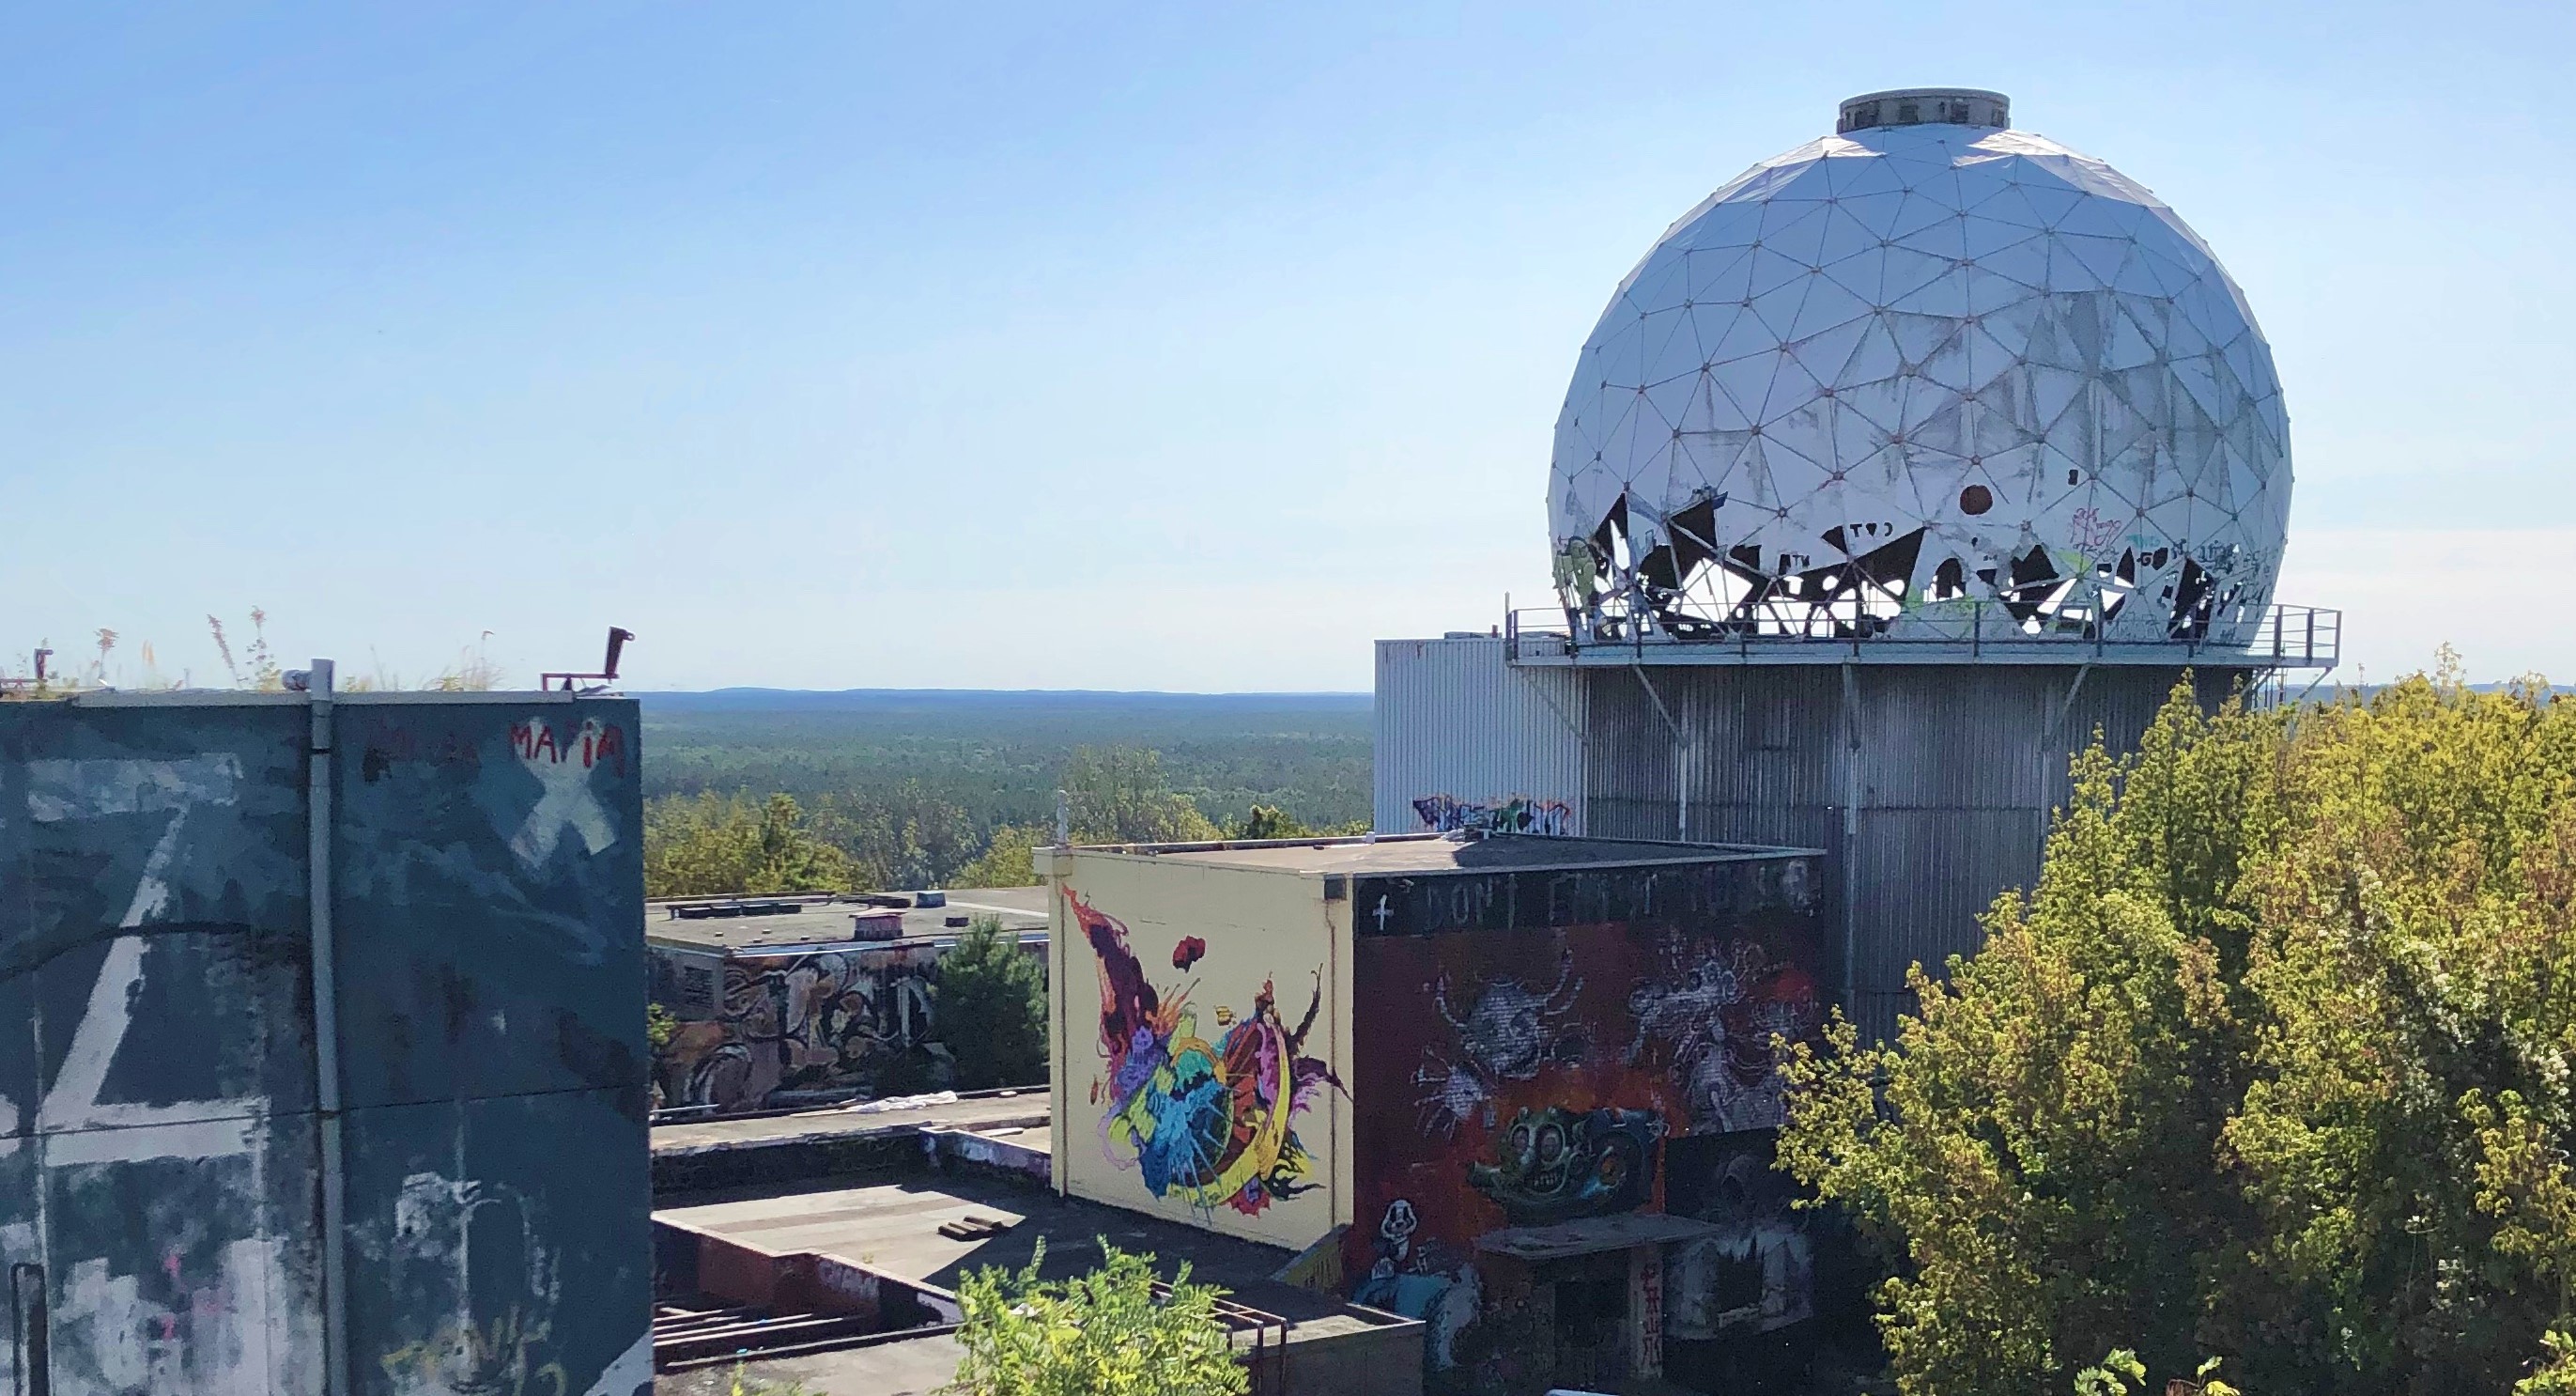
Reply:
x=253, y=667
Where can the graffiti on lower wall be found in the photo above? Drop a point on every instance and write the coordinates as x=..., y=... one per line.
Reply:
x=1447, y=814
x=1207, y=1122
x=1522, y=1063
x=823, y=1021
x=1443, y=1291
x=1758, y=1271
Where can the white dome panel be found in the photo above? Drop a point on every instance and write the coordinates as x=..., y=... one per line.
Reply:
x=1921, y=376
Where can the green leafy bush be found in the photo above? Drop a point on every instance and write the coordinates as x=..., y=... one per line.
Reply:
x=2274, y=1063
x=1101, y=1334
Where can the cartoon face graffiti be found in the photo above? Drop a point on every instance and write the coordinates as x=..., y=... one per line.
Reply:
x=1507, y=1034
x=1404, y=1280
x=1714, y=1020
x=1207, y=1122
x=1556, y=1164
x=1395, y=1236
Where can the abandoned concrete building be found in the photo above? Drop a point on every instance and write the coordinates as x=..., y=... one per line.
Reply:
x=792, y=1000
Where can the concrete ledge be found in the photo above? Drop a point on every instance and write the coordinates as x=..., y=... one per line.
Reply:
x=788, y=1159
x=766, y=1150
x=691, y=1261
x=1006, y=1158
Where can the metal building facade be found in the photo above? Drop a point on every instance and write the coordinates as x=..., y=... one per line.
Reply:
x=1465, y=739
x=1931, y=784
x=387, y=1140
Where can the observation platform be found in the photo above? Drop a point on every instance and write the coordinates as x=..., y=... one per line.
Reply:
x=2286, y=638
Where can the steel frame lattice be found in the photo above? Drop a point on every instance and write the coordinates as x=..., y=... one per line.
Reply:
x=1916, y=379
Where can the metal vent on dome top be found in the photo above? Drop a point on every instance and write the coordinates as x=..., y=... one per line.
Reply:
x=1921, y=106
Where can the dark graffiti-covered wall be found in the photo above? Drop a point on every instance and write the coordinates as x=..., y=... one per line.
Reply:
x=1545, y=1047
x=164, y=1128
x=812, y=1022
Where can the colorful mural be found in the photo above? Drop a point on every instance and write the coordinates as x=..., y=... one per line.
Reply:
x=1209, y=1123
x=827, y=1022
x=1556, y=1164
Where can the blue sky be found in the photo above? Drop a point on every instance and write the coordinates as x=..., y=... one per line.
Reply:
x=1150, y=347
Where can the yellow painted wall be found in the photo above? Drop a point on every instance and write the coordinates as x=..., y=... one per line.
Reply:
x=1112, y=1127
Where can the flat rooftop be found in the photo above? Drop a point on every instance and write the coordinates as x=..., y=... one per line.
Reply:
x=894, y=1227
x=1442, y=853
x=753, y=923
x=997, y=1110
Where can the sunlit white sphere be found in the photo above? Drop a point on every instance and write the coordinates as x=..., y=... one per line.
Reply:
x=1926, y=375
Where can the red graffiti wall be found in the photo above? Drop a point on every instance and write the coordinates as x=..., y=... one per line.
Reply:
x=1532, y=1055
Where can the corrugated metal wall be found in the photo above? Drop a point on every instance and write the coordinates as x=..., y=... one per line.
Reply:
x=161, y=1136
x=1951, y=772
x=1462, y=738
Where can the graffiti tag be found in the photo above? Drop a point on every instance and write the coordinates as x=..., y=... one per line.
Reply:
x=2090, y=531
x=563, y=769
x=1446, y=814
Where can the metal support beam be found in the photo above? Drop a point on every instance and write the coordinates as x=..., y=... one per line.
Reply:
x=30, y=1332
x=2066, y=705
x=326, y=1040
x=1848, y=856
x=1681, y=756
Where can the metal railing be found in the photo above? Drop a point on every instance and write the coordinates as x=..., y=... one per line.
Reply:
x=2283, y=637
x=1269, y=1332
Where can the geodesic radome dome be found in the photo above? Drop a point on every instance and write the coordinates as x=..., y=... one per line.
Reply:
x=1925, y=377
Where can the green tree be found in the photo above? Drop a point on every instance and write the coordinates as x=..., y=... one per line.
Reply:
x=2273, y=1063
x=992, y=1009
x=746, y=1385
x=1120, y=794
x=897, y=836
x=1101, y=1334
x=715, y=845
x=1009, y=861
x=1265, y=822
x=1268, y=822
x=1113, y=794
